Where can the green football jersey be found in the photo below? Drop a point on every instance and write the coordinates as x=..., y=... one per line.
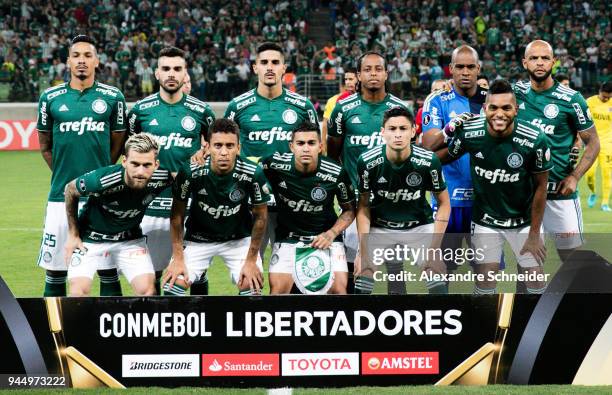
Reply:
x=113, y=211
x=305, y=202
x=560, y=113
x=397, y=193
x=178, y=128
x=80, y=124
x=359, y=123
x=502, y=170
x=266, y=125
x=220, y=203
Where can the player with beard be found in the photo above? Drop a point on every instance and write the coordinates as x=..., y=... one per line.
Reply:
x=562, y=114
x=509, y=162
x=81, y=127
x=179, y=122
x=443, y=110
x=107, y=232
x=355, y=127
x=268, y=114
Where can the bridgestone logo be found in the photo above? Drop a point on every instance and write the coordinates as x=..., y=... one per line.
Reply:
x=160, y=365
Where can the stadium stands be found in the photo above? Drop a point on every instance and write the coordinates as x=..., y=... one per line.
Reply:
x=416, y=37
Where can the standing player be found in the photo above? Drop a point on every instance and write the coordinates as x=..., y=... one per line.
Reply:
x=179, y=122
x=466, y=98
x=393, y=181
x=220, y=222
x=346, y=89
x=107, y=232
x=81, y=127
x=268, y=114
x=601, y=111
x=354, y=127
x=305, y=185
x=509, y=164
x=562, y=114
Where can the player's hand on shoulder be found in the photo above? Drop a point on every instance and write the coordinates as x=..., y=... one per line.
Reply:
x=449, y=128
x=251, y=278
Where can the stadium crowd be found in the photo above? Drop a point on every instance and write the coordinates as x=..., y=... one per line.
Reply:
x=220, y=39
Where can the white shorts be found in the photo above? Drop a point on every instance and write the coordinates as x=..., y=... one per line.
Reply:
x=417, y=238
x=199, y=256
x=283, y=257
x=157, y=231
x=55, y=234
x=563, y=221
x=130, y=257
x=351, y=241
x=490, y=243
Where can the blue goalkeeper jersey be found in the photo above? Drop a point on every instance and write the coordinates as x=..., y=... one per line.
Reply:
x=439, y=108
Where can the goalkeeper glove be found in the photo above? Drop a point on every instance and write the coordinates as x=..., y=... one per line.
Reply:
x=449, y=128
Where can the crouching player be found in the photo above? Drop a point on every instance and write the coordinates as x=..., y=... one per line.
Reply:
x=223, y=191
x=509, y=163
x=108, y=228
x=393, y=181
x=308, y=248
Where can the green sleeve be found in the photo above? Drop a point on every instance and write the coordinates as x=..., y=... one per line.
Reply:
x=364, y=176
x=181, y=188
x=89, y=183
x=45, y=120
x=133, y=122
x=335, y=123
x=312, y=112
x=345, y=193
x=435, y=172
x=230, y=111
x=581, y=117
x=542, y=160
x=119, y=115
x=260, y=193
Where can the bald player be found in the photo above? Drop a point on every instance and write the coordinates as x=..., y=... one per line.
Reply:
x=465, y=98
x=562, y=114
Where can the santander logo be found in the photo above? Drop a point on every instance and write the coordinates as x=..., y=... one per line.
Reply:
x=240, y=365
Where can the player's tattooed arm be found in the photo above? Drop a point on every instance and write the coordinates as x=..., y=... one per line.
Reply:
x=45, y=140
x=433, y=139
x=534, y=243
x=325, y=239
x=117, y=142
x=590, y=139
x=177, y=267
x=250, y=275
x=442, y=215
x=362, y=265
x=71, y=198
x=444, y=156
x=334, y=147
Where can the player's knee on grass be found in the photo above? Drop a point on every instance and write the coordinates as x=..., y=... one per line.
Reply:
x=280, y=283
x=144, y=284
x=80, y=286
x=340, y=283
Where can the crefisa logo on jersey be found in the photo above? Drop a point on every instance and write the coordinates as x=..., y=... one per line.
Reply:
x=236, y=195
x=318, y=194
x=515, y=160
x=414, y=179
x=99, y=106
x=188, y=123
x=551, y=111
x=290, y=116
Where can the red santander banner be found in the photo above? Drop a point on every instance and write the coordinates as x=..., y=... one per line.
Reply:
x=240, y=365
x=18, y=135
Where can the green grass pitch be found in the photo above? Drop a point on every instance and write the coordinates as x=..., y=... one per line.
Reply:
x=25, y=183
